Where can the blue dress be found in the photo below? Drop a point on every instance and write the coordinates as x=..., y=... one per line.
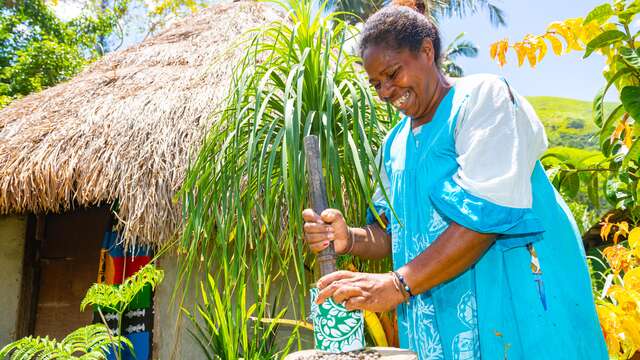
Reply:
x=528, y=297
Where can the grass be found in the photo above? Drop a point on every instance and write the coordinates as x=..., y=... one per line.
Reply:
x=568, y=121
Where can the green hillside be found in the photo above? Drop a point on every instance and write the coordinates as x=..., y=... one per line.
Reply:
x=568, y=122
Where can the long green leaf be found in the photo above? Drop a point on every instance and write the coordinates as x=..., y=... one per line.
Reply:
x=605, y=39
x=599, y=14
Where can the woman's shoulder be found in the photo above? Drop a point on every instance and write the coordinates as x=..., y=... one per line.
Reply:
x=481, y=85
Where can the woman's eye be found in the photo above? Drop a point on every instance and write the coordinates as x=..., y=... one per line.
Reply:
x=394, y=74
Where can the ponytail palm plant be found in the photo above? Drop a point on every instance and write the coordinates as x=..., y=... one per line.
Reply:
x=244, y=193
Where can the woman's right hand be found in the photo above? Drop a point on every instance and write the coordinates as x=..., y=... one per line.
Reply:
x=320, y=230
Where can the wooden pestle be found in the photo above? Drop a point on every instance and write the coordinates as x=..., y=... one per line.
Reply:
x=318, y=194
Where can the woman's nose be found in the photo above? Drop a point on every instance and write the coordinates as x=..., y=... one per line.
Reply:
x=385, y=91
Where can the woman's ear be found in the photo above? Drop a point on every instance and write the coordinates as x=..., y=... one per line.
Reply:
x=428, y=51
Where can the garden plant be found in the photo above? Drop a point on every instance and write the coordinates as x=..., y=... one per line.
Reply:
x=94, y=341
x=613, y=174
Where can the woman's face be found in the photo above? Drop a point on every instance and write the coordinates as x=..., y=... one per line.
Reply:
x=404, y=78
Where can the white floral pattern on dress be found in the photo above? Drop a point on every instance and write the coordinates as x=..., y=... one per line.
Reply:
x=465, y=345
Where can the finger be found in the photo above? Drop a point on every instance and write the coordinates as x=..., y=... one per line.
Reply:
x=327, y=292
x=311, y=227
x=331, y=215
x=345, y=293
x=355, y=303
x=316, y=248
x=310, y=216
x=316, y=238
x=334, y=276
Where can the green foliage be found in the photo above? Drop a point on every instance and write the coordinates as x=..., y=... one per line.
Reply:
x=245, y=191
x=92, y=342
x=38, y=50
x=577, y=173
x=226, y=329
x=618, y=127
x=117, y=298
x=458, y=47
x=568, y=122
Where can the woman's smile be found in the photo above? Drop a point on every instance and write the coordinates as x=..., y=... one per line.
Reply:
x=402, y=102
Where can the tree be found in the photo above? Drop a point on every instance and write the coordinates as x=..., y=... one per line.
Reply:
x=458, y=47
x=37, y=49
x=436, y=8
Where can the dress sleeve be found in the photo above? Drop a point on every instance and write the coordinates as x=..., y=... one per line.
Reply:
x=498, y=141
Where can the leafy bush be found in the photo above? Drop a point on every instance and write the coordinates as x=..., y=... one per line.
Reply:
x=93, y=341
x=606, y=30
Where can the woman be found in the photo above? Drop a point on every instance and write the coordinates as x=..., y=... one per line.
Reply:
x=488, y=262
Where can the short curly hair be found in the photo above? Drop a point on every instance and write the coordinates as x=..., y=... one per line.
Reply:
x=400, y=27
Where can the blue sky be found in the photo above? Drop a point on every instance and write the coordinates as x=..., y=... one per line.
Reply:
x=565, y=76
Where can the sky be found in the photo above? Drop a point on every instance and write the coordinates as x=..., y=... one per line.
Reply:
x=566, y=76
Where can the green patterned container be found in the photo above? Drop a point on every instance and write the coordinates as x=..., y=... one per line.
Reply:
x=335, y=329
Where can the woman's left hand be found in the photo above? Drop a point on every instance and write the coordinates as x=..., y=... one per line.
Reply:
x=373, y=292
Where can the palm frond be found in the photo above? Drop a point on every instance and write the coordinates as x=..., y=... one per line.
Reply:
x=456, y=48
x=452, y=69
x=463, y=48
x=462, y=8
x=496, y=15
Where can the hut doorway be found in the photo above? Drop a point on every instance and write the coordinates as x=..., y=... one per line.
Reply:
x=64, y=251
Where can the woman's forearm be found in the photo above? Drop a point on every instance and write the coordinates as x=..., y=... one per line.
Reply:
x=453, y=252
x=370, y=242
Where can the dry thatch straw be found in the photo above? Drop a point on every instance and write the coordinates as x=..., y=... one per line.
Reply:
x=125, y=127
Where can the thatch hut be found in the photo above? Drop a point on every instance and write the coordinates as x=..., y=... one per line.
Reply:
x=121, y=131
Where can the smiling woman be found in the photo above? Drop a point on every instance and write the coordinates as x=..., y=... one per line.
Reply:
x=466, y=212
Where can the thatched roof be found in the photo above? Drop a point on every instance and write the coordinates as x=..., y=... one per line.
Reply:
x=125, y=127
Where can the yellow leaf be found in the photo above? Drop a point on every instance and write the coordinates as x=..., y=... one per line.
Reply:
x=618, y=257
x=618, y=131
x=604, y=231
x=634, y=238
x=631, y=330
x=520, y=51
x=631, y=279
x=542, y=50
x=531, y=56
x=503, y=46
x=304, y=324
x=493, y=51
x=623, y=227
x=589, y=32
x=628, y=139
x=574, y=28
x=561, y=29
x=556, y=44
x=610, y=327
x=375, y=328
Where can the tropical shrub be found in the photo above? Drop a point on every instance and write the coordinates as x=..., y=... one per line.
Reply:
x=245, y=191
x=118, y=297
x=88, y=342
x=93, y=341
x=605, y=30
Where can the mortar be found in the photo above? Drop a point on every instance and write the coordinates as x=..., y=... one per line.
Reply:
x=375, y=353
